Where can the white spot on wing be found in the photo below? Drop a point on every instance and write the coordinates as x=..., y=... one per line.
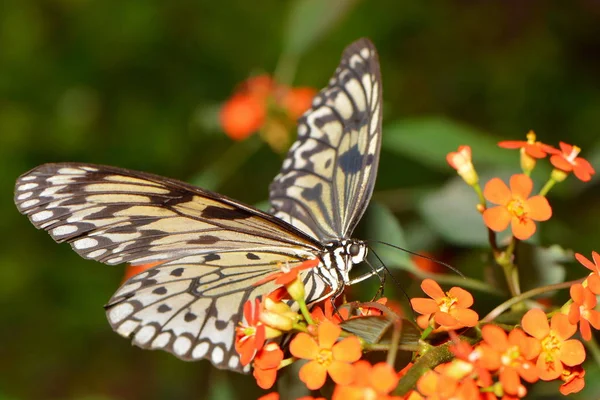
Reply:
x=85, y=243
x=27, y=186
x=200, y=350
x=64, y=230
x=144, y=335
x=41, y=216
x=217, y=355
x=120, y=312
x=234, y=361
x=161, y=340
x=182, y=345
x=23, y=196
x=127, y=327
x=96, y=253
x=29, y=203
x=71, y=171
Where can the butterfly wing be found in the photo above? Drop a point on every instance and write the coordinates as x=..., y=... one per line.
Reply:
x=211, y=249
x=329, y=173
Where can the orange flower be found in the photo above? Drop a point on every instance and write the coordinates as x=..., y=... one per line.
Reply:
x=461, y=161
x=288, y=274
x=437, y=384
x=449, y=309
x=556, y=350
x=366, y=310
x=371, y=382
x=573, y=380
x=250, y=338
x=133, y=270
x=270, y=396
x=265, y=365
x=531, y=147
x=242, y=115
x=326, y=356
x=568, y=161
x=582, y=310
x=297, y=100
x=514, y=206
x=516, y=350
x=327, y=312
x=594, y=278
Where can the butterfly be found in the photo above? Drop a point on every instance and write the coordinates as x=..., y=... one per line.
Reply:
x=209, y=250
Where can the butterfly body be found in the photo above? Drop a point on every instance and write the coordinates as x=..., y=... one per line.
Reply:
x=211, y=253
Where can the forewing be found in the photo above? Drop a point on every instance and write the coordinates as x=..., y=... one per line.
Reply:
x=114, y=216
x=191, y=306
x=328, y=175
x=211, y=250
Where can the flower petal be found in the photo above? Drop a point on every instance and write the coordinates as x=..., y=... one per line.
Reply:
x=496, y=218
x=549, y=369
x=585, y=262
x=313, y=375
x=424, y=306
x=497, y=192
x=383, y=378
x=539, y=208
x=342, y=373
x=560, y=324
x=432, y=289
x=521, y=185
x=572, y=352
x=535, y=323
x=465, y=316
x=328, y=333
x=464, y=298
x=495, y=337
x=304, y=346
x=523, y=229
x=348, y=350
x=510, y=380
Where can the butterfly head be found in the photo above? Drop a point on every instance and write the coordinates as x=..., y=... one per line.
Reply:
x=342, y=256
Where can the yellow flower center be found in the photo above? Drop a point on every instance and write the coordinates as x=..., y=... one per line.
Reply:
x=325, y=357
x=517, y=208
x=447, y=303
x=531, y=137
x=574, y=153
x=551, y=345
x=511, y=355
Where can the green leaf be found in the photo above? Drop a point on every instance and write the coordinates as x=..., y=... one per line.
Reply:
x=451, y=212
x=382, y=225
x=428, y=140
x=378, y=329
x=309, y=20
x=541, y=266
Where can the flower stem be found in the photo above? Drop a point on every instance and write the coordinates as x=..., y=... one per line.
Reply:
x=530, y=293
x=511, y=271
x=305, y=312
x=551, y=182
x=391, y=356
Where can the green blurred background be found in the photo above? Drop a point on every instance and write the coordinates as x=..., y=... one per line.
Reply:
x=138, y=84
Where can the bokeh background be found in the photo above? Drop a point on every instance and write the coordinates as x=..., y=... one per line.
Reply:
x=139, y=84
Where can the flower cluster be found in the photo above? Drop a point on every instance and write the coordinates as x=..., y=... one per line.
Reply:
x=261, y=103
x=513, y=206
x=455, y=354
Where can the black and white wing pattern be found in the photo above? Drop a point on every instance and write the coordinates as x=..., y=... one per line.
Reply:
x=210, y=251
x=328, y=175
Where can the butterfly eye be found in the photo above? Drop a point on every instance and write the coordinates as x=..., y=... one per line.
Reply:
x=354, y=250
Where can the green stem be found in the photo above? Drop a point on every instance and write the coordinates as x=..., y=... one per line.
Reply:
x=511, y=272
x=479, y=192
x=530, y=293
x=305, y=312
x=391, y=356
x=551, y=182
